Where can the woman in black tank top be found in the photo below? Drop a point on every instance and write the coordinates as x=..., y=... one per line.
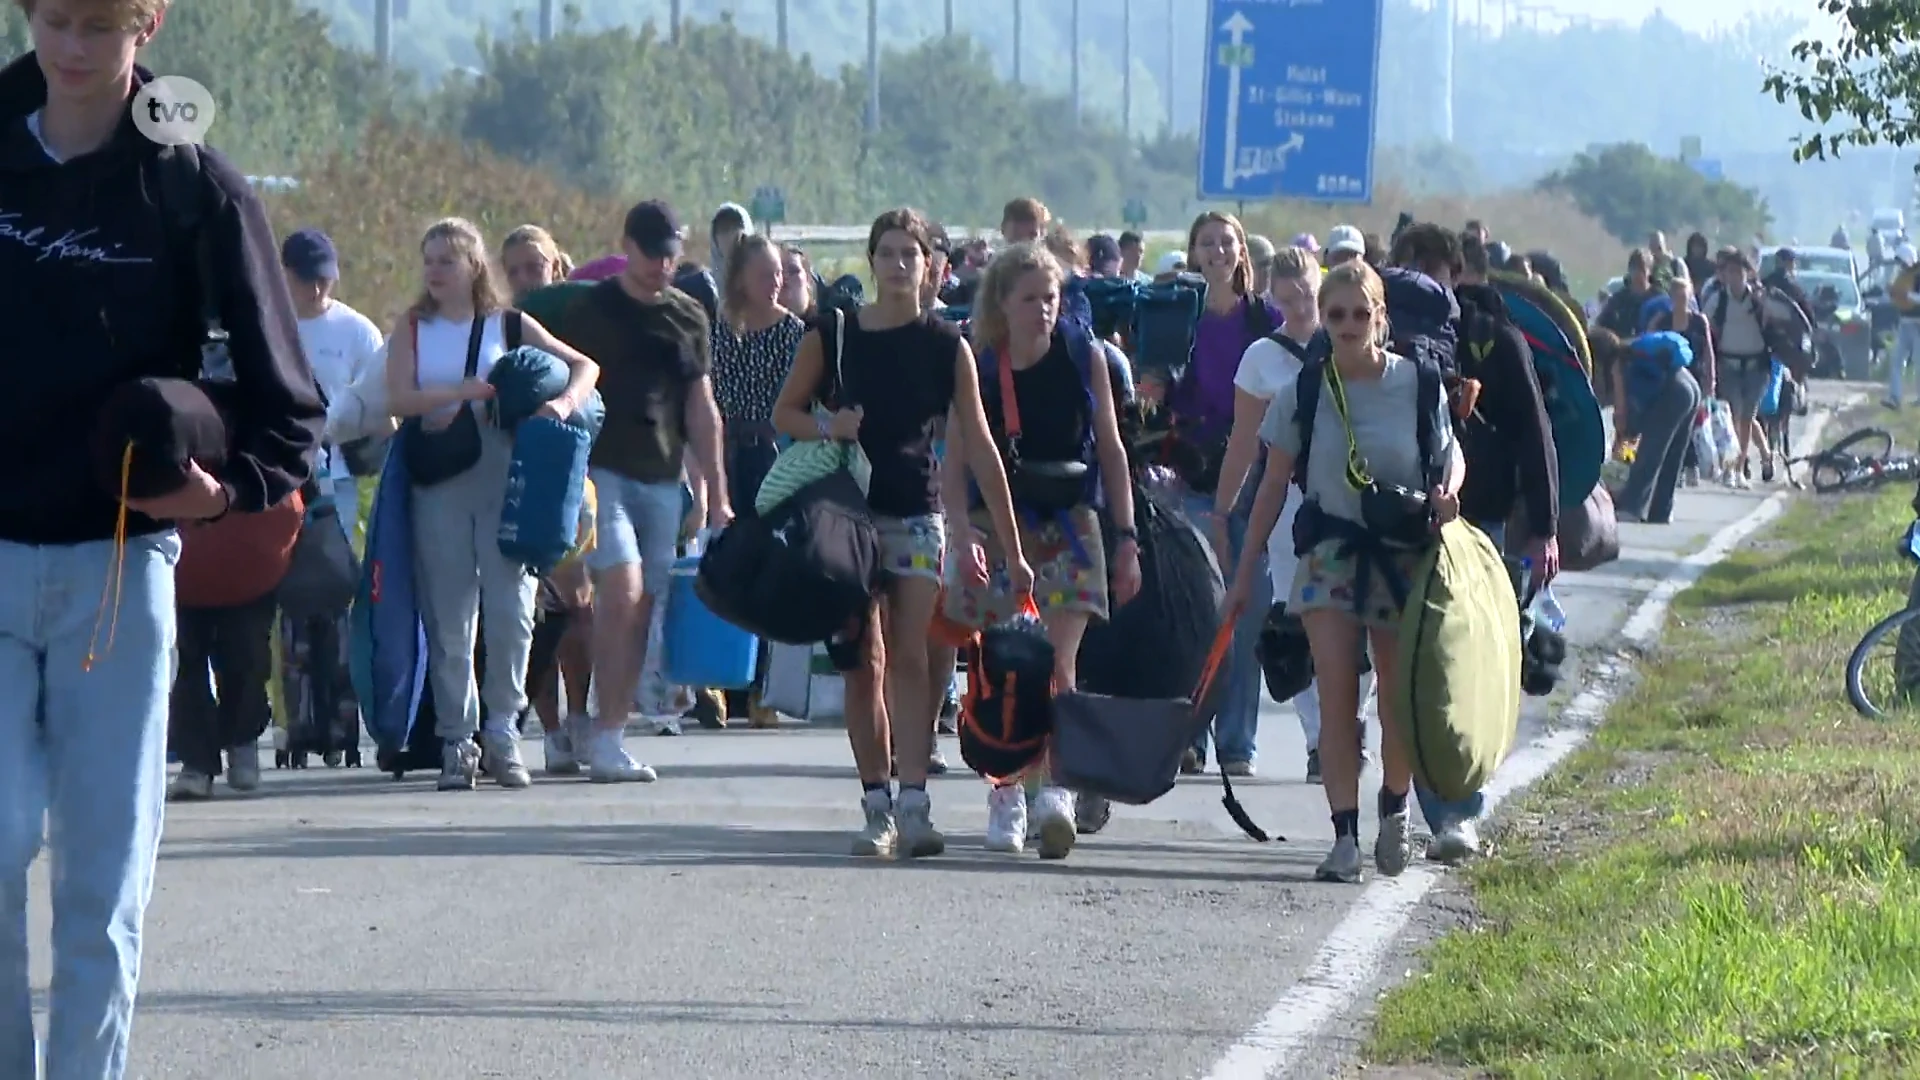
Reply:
x=892, y=371
x=1046, y=380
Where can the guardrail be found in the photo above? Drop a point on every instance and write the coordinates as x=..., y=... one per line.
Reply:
x=857, y=234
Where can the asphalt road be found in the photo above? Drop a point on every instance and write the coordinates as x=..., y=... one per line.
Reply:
x=341, y=925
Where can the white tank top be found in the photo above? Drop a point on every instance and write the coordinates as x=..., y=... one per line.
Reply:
x=440, y=360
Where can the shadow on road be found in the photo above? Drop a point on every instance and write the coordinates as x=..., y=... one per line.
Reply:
x=675, y=845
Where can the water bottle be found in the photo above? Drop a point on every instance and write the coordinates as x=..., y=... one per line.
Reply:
x=1545, y=610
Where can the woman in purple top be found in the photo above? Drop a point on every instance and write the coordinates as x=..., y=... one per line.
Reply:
x=1202, y=405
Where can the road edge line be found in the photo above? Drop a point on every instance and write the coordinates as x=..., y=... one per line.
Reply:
x=1349, y=960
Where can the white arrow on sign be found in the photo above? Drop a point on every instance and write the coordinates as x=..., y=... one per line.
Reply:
x=1237, y=27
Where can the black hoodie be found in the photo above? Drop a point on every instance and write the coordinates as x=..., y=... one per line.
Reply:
x=1509, y=444
x=91, y=297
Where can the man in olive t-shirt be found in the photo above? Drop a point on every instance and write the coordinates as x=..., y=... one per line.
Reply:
x=650, y=340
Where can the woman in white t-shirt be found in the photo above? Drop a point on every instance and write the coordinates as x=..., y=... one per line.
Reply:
x=1269, y=367
x=441, y=352
x=343, y=346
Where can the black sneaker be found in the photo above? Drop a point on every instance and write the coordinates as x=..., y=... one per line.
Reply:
x=1313, y=766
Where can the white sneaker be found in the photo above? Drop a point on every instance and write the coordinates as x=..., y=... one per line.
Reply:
x=1007, y=819
x=561, y=760
x=878, y=837
x=501, y=759
x=609, y=763
x=243, y=767
x=1455, y=844
x=1053, y=810
x=459, y=765
x=913, y=816
x=190, y=786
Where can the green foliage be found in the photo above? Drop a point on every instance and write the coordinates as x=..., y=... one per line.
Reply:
x=724, y=112
x=1634, y=192
x=1867, y=80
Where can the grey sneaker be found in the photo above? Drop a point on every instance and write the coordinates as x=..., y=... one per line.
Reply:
x=1342, y=864
x=918, y=839
x=459, y=765
x=560, y=758
x=878, y=837
x=243, y=767
x=1455, y=844
x=1391, y=849
x=1090, y=812
x=1313, y=766
x=1237, y=768
x=667, y=725
x=190, y=786
x=502, y=760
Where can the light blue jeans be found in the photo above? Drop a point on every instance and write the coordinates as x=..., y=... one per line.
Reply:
x=1906, y=350
x=1237, y=723
x=1441, y=812
x=86, y=767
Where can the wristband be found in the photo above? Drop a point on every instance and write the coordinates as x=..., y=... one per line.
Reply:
x=1123, y=535
x=820, y=424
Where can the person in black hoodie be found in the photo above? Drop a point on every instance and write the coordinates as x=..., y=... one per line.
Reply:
x=1508, y=444
x=102, y=287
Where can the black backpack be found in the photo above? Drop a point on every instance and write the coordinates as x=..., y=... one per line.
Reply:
x=1007, y=715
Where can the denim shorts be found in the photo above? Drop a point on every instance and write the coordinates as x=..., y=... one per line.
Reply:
x=637, y=522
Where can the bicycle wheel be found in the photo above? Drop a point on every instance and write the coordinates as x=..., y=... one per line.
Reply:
x=1830, y=472
x=1867, y=444
x=1883, y=674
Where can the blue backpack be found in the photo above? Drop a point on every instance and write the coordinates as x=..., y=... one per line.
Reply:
x=1655, y=357
x=546, y=485
x=1166, y=315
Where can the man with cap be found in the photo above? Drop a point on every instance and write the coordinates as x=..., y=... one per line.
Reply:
x=101, y=293
x=1345, y=244
x=343, y=346
x=650, y=340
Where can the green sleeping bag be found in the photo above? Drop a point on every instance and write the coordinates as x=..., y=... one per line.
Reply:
x=1455, y=696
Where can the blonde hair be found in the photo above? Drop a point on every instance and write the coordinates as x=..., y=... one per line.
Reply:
x=989, y=315
x=1242, y=269
x=1297, y=264
x=542, y=241
x=732, y=305
x=1060, y=244
x=464, y=238
x=134, y=14
x=1356, y=274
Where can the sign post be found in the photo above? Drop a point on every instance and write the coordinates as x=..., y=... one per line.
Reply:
x=768, y=206
x=1291, y=100
x=1134, y=214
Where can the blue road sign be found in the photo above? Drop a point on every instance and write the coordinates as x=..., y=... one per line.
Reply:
x=1709, y=168
x=1291, y=99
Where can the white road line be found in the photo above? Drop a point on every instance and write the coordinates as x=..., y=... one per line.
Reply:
x=1350, y=958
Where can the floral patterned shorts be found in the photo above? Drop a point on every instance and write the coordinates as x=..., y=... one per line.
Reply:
x=1069, y=570
x=912, y=546
x=1326, y=579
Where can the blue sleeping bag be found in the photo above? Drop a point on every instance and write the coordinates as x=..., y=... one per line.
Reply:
x=1654, y=359
x=546, y=485
x=387, y=644
x=527, y=378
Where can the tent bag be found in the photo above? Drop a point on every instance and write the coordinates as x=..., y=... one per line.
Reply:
x=1455, y=695
x=546, y=485
x=1128, y=750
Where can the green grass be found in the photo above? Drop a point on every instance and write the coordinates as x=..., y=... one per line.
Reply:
x=1724, y=882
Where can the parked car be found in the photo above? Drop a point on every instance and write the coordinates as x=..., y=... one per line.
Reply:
x=1828, y=260
x=1843, y=335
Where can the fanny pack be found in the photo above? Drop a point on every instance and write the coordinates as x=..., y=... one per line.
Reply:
x=1047, y=486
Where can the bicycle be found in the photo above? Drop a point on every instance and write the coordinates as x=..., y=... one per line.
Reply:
x=1899, y=687
x=1861, y=461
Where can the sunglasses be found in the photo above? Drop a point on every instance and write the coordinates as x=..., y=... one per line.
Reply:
x=1334, y=316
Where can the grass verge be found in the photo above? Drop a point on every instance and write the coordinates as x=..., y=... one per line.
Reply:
x=1723, y=882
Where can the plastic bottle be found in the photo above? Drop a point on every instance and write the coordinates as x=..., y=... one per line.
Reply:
x=1546, y=610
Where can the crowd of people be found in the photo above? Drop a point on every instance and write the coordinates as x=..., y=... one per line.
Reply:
x=972, y=380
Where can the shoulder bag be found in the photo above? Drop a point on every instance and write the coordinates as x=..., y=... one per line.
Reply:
x=813, y=459
x=435, y=456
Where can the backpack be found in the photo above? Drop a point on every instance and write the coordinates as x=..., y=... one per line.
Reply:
x=1788, y=345
x=1165, y=316
x=1111, y=303
x=1006, y=717
x=1653, y=358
